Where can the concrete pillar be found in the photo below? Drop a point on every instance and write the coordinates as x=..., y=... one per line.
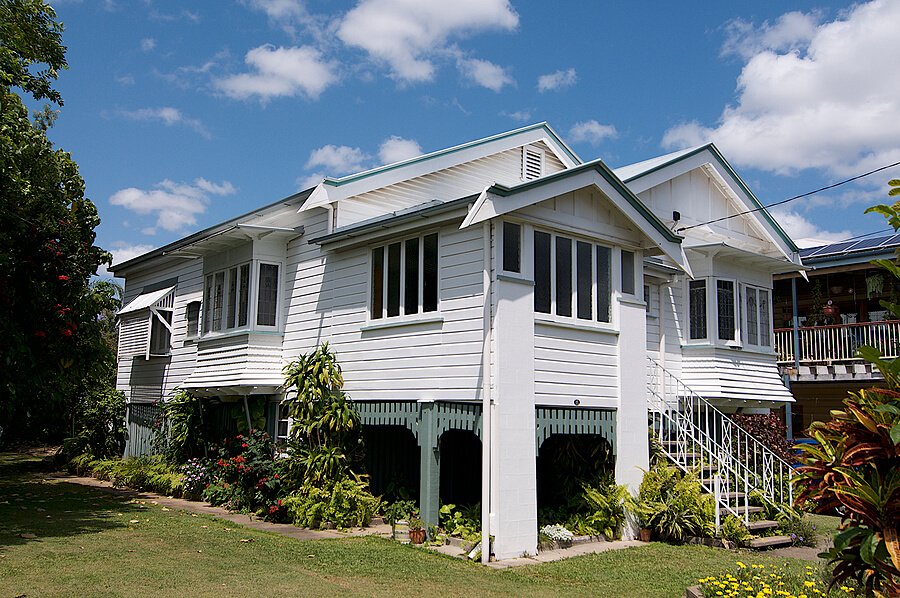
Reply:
x=514, y=483
x=429, y=465
x=632, y=446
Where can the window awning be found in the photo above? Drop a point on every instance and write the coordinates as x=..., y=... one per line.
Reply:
x=147, y=300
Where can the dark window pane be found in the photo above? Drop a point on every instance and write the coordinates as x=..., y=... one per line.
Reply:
x=268, y=295
x=541, y=272
x=752, y=317
x=232, y=297
x=764, y=339
x=411, y=277
x=218, y=301
x=604, y=283
x=512, y=247
x=244, y=295
x=584, y=279
x=393, y=288
x=193, y=318
x=208, y=303
x=628, y=272
x=430, y=273
x=697, y=308
x=377, y=283
x=563, y=276
x=725, y=304
x=160, y=337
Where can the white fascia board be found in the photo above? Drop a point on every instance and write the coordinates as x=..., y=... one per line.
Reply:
x=332, y=190
x=490, y=205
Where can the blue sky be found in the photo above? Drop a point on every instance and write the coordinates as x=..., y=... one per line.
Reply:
x=182, y=114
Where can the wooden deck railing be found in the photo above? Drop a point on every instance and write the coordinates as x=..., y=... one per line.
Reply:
x=824, y=344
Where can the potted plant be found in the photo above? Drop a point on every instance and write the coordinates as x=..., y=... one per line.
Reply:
x=642, y=514
x=416, y=530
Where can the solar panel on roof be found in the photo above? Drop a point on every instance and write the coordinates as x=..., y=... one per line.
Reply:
x=835, y=248
x=871, y=243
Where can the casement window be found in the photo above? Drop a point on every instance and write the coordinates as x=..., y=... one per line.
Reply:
x=226, y=297
x=571, y=277
x=758, y=317
x=192, y=316
x=404, y=277
x=697, y=309
x=725, y=309
x=146, y=324
x=532, y=163
x=283, y=425
x=512, y=247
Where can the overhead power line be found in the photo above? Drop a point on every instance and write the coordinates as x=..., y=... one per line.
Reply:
x=789, y=199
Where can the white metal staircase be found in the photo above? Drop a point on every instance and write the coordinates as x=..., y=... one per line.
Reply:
x=696, y=436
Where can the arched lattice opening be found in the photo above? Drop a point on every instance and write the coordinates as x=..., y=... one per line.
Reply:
x=392, y=462
x=460, y=468
x=564, y=462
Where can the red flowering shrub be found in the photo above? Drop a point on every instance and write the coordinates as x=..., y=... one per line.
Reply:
x=246, y=477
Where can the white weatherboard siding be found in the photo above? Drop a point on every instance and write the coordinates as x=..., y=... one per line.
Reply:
x=723, y=374
x=575, y=364
x=307, y=321
x=151, y=379
x=451, y=183
x=242, y=360
x=399, y=358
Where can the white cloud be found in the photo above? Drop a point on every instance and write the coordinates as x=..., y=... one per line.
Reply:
x=279, y=9
x=168, y=116
x=281, y=72
x=338, y=159
x=396, y=149
x=590, y=131
x=485, y=73
x=407, y=35
x=309, y=181
x=147, y=44
x=519, y=115
x=125, y=80
x=805, y=233
x=557, y=80
x=122, y=252
x=790, y=32
x=175, y=205
x=823, y=99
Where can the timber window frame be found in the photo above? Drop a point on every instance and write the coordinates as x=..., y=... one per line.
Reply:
x=572, y=278
x=242, y=297
x=726, y=306
x=145, y=327
x=404, y=278
x=698, y=318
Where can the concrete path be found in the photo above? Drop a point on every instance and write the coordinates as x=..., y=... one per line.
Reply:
x=201, y=508
x=548, y=556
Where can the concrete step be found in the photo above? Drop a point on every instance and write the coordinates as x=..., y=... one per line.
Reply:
x=769, y=542
x=755, y=526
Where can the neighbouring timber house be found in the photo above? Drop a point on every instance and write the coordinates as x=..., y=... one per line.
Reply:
x=821, y=322
x=482, y=300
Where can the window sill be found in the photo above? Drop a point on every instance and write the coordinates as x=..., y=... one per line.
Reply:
x=213, y=336
x=397, y=321
x=575, y=324
x=630, y=300
x=516, y=278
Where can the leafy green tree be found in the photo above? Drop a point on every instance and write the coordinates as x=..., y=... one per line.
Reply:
x=53, y=346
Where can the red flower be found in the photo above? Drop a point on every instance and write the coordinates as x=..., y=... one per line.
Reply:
x=245, y=445
x=40, y=333
x=62, y=277
x=276, y=476
x=66, y=332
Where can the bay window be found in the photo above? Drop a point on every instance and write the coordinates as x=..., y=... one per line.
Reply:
x=757, y=303
x=404, y=277
x=697, y=309
x=725, y=307
x=571, y=277
x=226, y=297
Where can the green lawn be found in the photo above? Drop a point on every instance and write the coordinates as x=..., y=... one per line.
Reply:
x=90, y=543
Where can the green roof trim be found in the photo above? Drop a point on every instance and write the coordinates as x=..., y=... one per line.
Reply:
x=734, y=177
x=611, y=178
x=450, y=150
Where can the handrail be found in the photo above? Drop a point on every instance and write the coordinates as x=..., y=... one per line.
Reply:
x=837, y=342
x=686, y=424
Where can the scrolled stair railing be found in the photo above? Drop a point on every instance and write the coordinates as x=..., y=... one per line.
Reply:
x=694, y=433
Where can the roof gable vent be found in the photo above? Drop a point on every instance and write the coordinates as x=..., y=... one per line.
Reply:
x=532, y=162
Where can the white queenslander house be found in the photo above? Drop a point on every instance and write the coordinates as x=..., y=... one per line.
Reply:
x=482, y=300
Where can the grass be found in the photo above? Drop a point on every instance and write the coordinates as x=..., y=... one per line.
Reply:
x=87, y=542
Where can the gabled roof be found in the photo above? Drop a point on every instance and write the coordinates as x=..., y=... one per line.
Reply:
x=335, y=189
x=631, y=174
x=492, y=202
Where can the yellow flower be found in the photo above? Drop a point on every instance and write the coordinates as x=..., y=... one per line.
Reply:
x=741, y=565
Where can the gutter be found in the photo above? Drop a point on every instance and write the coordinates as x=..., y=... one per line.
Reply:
x=486, y=406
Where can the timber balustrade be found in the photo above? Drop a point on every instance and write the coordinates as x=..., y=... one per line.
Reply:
x=824, y=344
